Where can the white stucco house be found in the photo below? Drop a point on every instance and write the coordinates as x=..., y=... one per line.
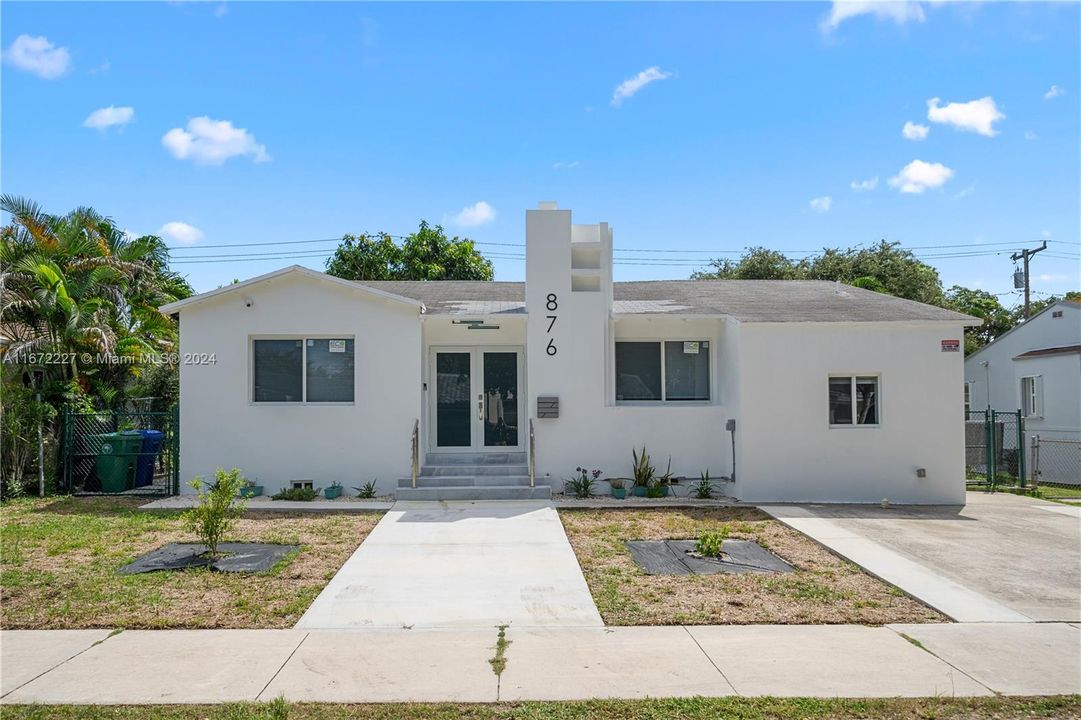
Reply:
x=794, y=391
x=1036, y=367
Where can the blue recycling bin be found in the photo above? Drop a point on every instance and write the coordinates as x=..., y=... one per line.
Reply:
x=148, y=454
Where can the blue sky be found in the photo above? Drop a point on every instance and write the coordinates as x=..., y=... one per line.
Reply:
x=690, y=127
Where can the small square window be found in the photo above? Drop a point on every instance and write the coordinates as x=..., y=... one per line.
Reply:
x=853, y=400
x=302, y=485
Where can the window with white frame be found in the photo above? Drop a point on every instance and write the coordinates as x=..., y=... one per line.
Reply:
x=301, y=369
x=1032, y=396
x=853, y=400
x=662, y=371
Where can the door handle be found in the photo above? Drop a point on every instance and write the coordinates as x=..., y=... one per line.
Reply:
x=480, y=406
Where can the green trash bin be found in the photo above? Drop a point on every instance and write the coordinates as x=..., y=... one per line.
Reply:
x=116, y=460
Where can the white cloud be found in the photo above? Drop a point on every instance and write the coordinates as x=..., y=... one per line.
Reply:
x=966, y=192
x=821, y=204
x=181, y=232
x=1029, y=135
x=899, y=12
x=914, y=131
x=38, y=56
x=918, y=176
x=630, y=86
x=212, y=142
x=865, y=185
x=1046, y=233
x=473, y=215
x=565, y=165
x=974, y=116
x=109, y=116
x=1053, y=93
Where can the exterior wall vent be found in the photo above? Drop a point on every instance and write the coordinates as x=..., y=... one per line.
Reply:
x=547, y=406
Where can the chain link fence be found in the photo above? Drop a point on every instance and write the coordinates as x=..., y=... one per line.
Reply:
x=1056, y=461
x=995, y=448
x=121, y=453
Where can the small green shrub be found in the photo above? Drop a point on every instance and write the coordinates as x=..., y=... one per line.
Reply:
x=367, y=490
x=655, y=488
x=581, y=486
x=703, y=489
x=710, y=543
x=299, y=493
x=217, y=510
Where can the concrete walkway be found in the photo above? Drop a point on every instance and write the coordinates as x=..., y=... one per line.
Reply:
x=208, y=666
x=1001, y=558
x=459, y=565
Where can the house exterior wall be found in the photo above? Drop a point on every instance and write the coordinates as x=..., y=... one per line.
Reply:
x=1059, y=414
x=278, y=443
x=787, y=450
x=1041, y=331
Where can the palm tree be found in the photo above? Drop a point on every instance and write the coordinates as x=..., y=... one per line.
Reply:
x=75, y=283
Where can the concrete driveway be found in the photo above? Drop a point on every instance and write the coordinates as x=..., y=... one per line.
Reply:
x=1001, y=558
x=459, y=565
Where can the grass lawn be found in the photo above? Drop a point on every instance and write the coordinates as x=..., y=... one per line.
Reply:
x=59, y=557
x=824, y=588
x=994, y=708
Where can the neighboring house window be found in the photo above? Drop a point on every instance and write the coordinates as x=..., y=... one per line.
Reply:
x=1032, y=396
x=670, y=371
x=314, y=370
x=853, y=400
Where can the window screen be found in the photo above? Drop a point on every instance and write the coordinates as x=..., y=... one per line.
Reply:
x=638, y=371
x=686, y=370
x=841, y=401
x=330, y=370
x=277, y=367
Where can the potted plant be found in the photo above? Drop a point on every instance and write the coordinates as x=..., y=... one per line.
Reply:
x=333, y=491
x=664, y=481
x=249, y=489
x=619, y=488
x=642, y=471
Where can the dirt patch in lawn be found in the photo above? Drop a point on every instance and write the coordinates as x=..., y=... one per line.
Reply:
x=824, y=589
x=59, y=557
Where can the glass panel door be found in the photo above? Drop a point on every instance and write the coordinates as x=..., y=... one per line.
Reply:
x=453, y=388
x=500, y=399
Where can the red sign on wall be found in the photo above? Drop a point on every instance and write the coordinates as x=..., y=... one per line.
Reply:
x=951, y=346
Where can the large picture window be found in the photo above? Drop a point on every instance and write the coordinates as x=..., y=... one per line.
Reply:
x=853, y=400
x=295, y=370
x=662, y=371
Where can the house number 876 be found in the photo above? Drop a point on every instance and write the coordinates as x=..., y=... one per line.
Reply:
x=552, y=305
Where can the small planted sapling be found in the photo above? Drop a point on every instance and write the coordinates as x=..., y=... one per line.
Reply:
x=217, y=509
x=711, y=544
x=703, y=489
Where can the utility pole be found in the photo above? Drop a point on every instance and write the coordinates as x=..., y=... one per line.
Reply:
x=1024, y=255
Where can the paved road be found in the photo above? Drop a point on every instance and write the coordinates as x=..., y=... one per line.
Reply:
x=1001, y=558
x=461, y=565
x=206, y=666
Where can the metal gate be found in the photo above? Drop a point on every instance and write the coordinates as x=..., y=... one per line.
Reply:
x=995, y=448
x=121, y=453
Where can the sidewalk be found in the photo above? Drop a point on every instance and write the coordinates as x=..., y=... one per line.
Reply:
x=207, y=666
x=477, y=564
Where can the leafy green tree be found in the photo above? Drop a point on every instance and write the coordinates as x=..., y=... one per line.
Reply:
x=981, y=304
x=427, y=254
x=757, y=263
x=885, y=267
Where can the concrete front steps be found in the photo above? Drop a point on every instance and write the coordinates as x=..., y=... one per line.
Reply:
x=473, y=476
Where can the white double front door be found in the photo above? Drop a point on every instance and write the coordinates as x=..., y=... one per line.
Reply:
x=476, y=399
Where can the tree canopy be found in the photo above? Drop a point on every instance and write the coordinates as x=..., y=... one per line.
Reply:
x=885, y=268
x=78, y=287
x=427, y=254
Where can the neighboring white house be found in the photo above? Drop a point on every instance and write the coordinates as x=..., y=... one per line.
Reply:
x=1036, y=368
x=803, y=390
